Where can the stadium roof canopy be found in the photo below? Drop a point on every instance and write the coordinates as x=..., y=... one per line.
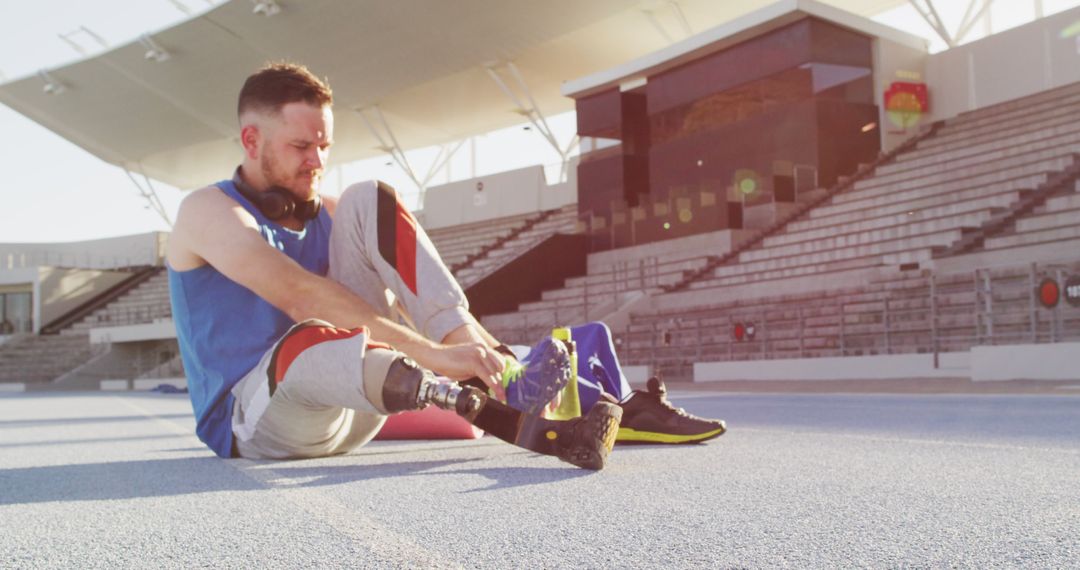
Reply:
x=431, y=72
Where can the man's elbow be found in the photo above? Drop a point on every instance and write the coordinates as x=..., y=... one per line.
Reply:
x=302, y=309
x=300, y=303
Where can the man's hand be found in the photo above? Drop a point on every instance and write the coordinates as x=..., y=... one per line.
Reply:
x=466, y=360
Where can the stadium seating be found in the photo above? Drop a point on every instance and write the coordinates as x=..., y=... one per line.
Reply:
x=33, y=359
x=40, y=359
x=144, y=304
x=889, y=315
x=457, y=243
x=849, y=276
x=590, y=296
x=1054, y=222
x=905, y=211
x=561, y=220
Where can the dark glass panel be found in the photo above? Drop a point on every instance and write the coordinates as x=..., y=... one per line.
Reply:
x=600, y=115
x=763, y=56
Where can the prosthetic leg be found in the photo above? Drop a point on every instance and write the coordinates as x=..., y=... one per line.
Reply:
x=585, y=441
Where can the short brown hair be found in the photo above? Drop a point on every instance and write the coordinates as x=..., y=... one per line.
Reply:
x=280, y=83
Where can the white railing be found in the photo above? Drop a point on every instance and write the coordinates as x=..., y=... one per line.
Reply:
x=942, y=313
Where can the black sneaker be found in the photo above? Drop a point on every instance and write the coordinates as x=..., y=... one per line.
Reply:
x=648, y=417
x=585, y=441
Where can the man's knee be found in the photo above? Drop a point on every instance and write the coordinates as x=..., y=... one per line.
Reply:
x=314, y=323
x=357, y=199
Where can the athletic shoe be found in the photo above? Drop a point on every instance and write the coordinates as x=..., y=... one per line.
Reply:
x=585, y=441
x=532, y=385
x=649, y=417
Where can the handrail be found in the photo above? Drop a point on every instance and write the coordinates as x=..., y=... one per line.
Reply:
x=1055, y=184
x=885, y=323
x=101, y=300
x=485, y=250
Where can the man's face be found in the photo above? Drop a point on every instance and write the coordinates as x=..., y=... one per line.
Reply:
x=295, y=147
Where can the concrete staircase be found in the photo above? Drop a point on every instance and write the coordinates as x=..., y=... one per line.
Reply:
x=146, y=303
x=139, y=276
x=1005, y=221
x=459, y=244
x=522, y=239
x=38, y=359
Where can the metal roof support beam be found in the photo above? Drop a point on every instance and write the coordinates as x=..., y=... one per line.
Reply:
x=965, y=28
x=651, y=17
x=388, y=143
x=681, y=17
x=149, y=193
x=184, y=7
x=564, y=172
x=446, y=152
x=66, y=37
x=967, y=16
x=649, y=9
x=930, y=14
x=526, y=106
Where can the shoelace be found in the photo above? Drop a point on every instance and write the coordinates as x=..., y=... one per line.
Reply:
x=511, y=376
x=662, y=398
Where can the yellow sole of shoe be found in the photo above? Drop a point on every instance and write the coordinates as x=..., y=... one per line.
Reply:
x=629, y=434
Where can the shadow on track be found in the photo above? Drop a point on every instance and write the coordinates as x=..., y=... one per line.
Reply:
x=83, y=441
x=121, y=480
x=86, y=420
x=501, y=477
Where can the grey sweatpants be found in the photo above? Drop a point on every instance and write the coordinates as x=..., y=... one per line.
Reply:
x=377, y=247
x=324, y=394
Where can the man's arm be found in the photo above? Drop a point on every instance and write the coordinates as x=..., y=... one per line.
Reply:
x=472, y=332
x=213, y=229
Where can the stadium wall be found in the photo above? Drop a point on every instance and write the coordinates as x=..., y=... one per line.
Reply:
x=1011, y=64
x=1026, y=362
x=880, y=367
x=107, y=253
x=509, y=193
x=981, y=364
x=894, y=61
x=163, y=329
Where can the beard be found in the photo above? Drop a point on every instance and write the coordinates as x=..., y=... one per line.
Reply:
x=297, y=183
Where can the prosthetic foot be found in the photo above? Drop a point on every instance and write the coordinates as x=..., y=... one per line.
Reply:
x=585, y=441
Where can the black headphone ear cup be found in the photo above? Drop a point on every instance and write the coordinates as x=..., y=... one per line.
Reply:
x=308, y=210
x=276, y=204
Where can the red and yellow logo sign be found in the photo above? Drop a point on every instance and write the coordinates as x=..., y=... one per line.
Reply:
x=905, y=103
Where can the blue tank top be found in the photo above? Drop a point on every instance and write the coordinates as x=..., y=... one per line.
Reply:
x=224, y=329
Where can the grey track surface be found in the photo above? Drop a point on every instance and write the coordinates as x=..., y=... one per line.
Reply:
x=800, y=481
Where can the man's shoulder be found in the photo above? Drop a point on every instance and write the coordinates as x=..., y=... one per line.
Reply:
x=330, y=202
x=208, y=218
x=204, y=202
x=210, y=193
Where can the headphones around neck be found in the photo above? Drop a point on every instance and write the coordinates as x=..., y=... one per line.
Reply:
x=278, y=203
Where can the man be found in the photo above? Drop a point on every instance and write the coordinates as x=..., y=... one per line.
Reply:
x=289, y=306
x=258, y=273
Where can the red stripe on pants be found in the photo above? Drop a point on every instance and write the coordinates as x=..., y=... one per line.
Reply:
x=303, y=339
x=406, y=247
